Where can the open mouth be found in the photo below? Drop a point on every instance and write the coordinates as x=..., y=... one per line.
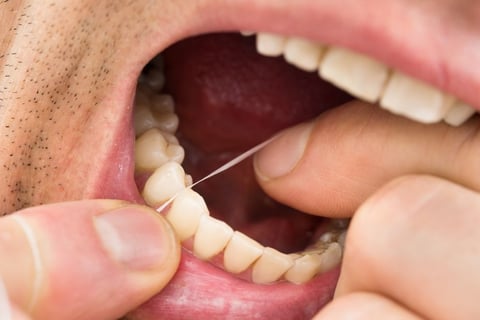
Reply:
x=205, y=100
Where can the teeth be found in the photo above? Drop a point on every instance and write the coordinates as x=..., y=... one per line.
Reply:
x=270, y=45
x=271, y=266
x=150, y=151
x=303, y=53
x=154, y=111
x=414, y=99
x=211, y=237
x=185, y=213
x=331, y=257
x=305, y=268
x=175, y=153
x=155, y=79
x=367, y=79
x=164, y=183
x=355, y=73
x=142, y=117
x=241, y=252
x=459, y=114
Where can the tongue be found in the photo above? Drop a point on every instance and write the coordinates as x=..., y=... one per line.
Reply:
x=229, y=98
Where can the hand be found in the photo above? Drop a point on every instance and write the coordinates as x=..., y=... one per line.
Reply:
x=413, y=246
x=93, y=259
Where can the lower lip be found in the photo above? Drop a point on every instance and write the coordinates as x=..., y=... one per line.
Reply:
x=200, y=290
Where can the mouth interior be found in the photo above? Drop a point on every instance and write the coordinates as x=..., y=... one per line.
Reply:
x=229, y=98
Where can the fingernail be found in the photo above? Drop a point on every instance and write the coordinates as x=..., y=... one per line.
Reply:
x=136, y=237
x=282, y=155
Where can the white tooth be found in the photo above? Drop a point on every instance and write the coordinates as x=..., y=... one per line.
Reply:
x=167, y=122
x=327, y=237
x=241, y=252
x=414, y=99
x=247, y=33
x=304, y=269
x=163, y=103
x=175, y=153
x=142, y=116
x=150, y=151
x=185, y=213
x=303, y=54
x=331, y=257
x=164, y=183
x=188, y=180
x=270, y=45
x=459, y=114
x=357, y=74
x=171, y=139
x=211, y=237
x=341, y=239
x=155, y=79
x=271, y=265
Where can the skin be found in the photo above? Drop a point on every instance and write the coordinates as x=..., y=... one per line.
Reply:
x=67, y=79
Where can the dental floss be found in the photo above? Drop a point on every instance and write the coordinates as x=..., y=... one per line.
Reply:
x=221, y=169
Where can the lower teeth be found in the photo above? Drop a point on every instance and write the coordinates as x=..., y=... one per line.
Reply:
x=157, y=150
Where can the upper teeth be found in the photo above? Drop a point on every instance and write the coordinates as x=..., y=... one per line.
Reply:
x=368, y=79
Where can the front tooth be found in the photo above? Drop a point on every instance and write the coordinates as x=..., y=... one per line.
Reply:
x=271, y=266
x=459, y=114
x=164, y=183
x=415, y=99
x=303, y=54
x=270, y=45
x=211, y=237
x=304, y=268
x=241, y=252
x=150, y=151
x=355, y=73
x=185, y=213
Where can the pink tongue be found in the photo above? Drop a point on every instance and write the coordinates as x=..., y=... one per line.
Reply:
x=230, y=98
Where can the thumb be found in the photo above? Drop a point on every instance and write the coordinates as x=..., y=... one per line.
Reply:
x=92, y=259
x=331, y=165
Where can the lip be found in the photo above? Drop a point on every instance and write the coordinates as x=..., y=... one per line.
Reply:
x=432, y=60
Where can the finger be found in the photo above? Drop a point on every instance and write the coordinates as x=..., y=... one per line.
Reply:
x=85, y=260
x=331, y=165
x=7, y=310
x=416, y=241
x=364, y=306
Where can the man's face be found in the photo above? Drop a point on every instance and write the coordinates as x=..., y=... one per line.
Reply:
x=69, y=71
